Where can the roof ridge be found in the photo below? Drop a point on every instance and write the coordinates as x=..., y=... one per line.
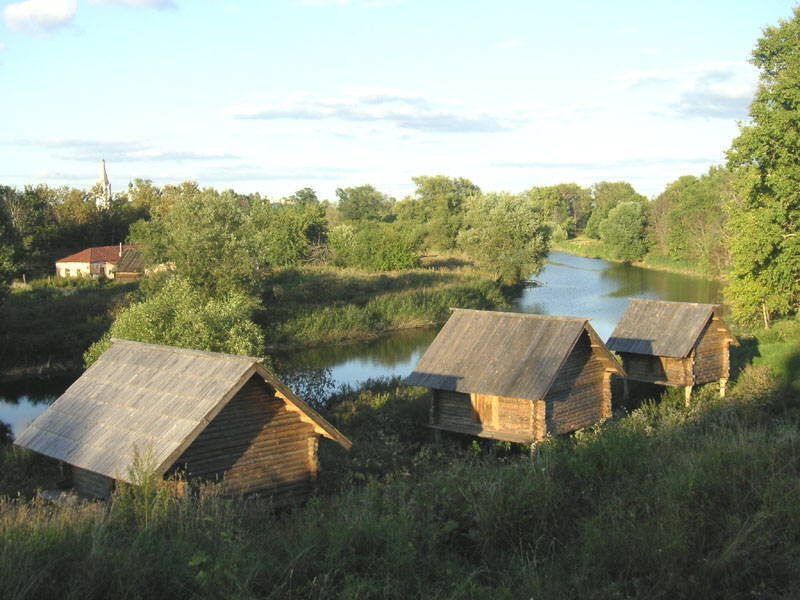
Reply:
x=178, y=350
x=523, y=315
x=648, y=300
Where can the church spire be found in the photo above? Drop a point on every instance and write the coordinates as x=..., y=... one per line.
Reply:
x=104, y=199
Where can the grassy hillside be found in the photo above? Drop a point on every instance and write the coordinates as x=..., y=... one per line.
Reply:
x=663, y=501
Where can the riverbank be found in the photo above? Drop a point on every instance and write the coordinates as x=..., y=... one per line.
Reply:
x=323, y=305
x=591, y=248
x=48, y=326
x=663, y=501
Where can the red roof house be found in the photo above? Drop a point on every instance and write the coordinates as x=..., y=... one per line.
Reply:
x=92, y=262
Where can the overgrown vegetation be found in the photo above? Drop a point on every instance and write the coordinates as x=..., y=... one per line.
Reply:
x=661, y=502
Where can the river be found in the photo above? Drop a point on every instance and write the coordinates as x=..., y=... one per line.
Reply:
x=568, y=286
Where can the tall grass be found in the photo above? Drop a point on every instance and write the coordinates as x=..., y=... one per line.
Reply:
x=322, y=305
x=664, y=502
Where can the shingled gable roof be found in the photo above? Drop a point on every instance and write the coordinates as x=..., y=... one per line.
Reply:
x=661, y=328
x=97, y=254
x=502, y=354
x=132, y=261
x=154, y=400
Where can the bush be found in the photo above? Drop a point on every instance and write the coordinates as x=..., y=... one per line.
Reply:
x=374, y=247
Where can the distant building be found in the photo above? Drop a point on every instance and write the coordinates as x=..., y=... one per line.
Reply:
x=100, y=261
x=103, y=200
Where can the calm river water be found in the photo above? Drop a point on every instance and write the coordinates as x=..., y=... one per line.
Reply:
x=569, y=286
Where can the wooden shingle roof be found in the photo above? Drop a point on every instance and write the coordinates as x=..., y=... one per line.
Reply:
x=151, y=400
x=502, y=354
x=661, y=328
x=132, y=261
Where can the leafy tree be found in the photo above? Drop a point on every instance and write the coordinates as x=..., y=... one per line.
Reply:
x=566, y=207
x=506, y=234
x=764, y=223
x=178, y=314
x=624, y=231
x=605, y=196
x=362, y=203
x=7, y=249
x=437, y=209
x=304, y=197
x=374, y=247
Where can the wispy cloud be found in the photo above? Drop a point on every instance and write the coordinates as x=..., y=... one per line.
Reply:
x=256, y=173
x=139, y=3
x=722, y=90
x=602, y=165
x=127, y=151
x=369, y=3
x=36, y=16
x=403, y=111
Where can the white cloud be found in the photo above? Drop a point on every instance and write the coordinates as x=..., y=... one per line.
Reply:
x=717, y=90
x=131, y=151
x=3, y=47
x=139, y=3
x=39, y=15
x=405, y=111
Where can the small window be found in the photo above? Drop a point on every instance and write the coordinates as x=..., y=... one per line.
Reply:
x=66, y=272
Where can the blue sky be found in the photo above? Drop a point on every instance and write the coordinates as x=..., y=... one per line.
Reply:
x=272, y=96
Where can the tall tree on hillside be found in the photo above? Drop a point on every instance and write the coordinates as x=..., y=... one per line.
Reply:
x=764, y=224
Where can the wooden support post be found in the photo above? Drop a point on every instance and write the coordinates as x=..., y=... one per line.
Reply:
x=687, y=393
x=626, y=390
x=722, y=384
x=437, y=436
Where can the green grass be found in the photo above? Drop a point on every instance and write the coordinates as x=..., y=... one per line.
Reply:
x=591, y=248
x=660, y=502
x=54, y=322
x=319, y=305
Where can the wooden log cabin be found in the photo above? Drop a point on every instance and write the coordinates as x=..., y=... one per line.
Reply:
x=516, y=377
x=673, y=343
x=208, y=416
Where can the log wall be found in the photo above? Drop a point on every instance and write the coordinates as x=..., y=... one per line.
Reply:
x=658, y=369
x=255, y=445
x=711, y=362
x=495, y=417
x=91, y=484
x=581, y=394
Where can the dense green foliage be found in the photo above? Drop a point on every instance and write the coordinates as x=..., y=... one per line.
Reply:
x=605, y=197
x=435, y=213
x=505, y=234
x=179, y=314
x=764, y=224
x=362, y=203
x=688, y=220
x=623, y=231
x=373, y=247
x=666, y=502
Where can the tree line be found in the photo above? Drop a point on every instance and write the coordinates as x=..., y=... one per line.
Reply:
x=739, y=220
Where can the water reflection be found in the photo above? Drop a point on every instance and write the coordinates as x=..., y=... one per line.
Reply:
x=569, y=286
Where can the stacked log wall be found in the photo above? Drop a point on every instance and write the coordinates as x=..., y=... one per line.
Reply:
x=497, y=417
x=711, y=354
x=581, y=394
x=91, y=484
x=255, y=445
x=657, y=369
